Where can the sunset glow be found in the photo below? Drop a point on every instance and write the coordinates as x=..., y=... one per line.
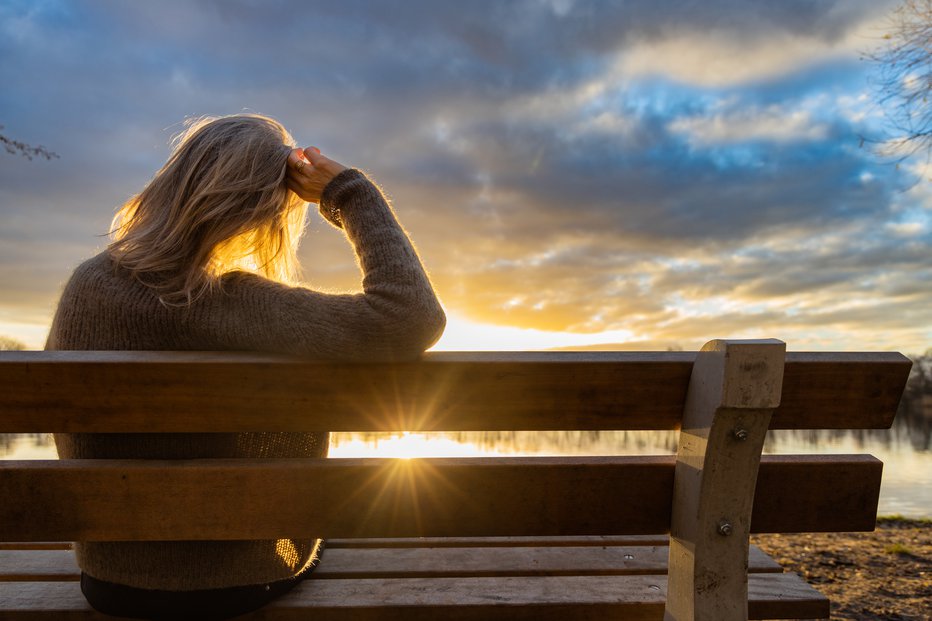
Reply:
x=465, y=335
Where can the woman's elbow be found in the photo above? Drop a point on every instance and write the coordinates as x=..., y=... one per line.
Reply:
x=418, y=332
x=435, y=326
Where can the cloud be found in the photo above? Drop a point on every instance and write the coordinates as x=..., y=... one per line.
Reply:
x=671, y=170
x=714, y=60
x=741, y=45
x=748, y=124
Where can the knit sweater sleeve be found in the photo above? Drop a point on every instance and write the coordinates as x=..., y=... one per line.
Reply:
x=397, y=316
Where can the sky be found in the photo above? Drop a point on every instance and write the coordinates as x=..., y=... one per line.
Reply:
x=631, y=175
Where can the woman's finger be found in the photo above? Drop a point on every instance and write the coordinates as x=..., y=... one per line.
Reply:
x=297, y=160
x=313, y=156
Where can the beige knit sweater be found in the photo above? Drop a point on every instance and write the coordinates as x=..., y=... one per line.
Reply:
x=395, y=318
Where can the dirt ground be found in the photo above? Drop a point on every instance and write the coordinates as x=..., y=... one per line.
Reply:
x=885, y=575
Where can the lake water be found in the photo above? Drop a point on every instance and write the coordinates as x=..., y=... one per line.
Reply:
x=905, y=450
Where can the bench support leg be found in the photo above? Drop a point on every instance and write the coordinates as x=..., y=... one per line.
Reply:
x=735, y=386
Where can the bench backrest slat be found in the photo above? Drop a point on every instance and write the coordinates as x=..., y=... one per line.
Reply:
x=256, y=499
x=229, y=392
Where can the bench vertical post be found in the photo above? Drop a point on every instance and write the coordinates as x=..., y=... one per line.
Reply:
x=734, y=388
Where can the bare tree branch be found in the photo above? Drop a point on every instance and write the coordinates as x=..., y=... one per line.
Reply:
x=17, y=147
x=904, y=62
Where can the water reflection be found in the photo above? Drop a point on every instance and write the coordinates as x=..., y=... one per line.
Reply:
x=492, y=443
x=26, y=446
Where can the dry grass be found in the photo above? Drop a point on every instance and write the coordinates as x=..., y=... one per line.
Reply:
x=884, y=575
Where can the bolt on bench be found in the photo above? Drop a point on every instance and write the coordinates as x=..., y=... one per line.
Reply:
x=543, y=538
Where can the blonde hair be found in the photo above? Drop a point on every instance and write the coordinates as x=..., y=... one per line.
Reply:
x=219, y=203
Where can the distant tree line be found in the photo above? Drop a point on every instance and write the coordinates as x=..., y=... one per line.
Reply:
x=10, y=344
x=920, y=376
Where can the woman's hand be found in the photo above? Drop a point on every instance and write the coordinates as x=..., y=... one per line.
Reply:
x=309, y=172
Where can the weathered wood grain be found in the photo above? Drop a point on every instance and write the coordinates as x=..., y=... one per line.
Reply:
x=38, y=566
x=453, y=599
x=89, y=500
x=35, y=545
x=422, y=562
x=226, y=392
x=489, y=542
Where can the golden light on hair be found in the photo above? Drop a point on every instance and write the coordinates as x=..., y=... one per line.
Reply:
x=220, y=203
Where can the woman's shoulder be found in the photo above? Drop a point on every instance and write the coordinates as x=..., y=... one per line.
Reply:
x=100, y=262
x=98, y=266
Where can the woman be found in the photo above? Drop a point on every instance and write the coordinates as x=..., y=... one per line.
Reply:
x=202, y=259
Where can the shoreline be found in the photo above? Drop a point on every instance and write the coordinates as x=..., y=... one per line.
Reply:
x=884, y=575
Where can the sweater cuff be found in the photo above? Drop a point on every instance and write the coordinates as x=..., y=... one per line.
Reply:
x=334, y=196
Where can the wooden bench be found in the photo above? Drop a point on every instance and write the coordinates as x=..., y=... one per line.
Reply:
x=543, y=538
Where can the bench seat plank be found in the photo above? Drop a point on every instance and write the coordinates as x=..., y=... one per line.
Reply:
x=53, y=565
x=429, y=542
x=98, y=500
x=639, y=597
x=35, y=545
x=223, y=392
x=489, y=542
